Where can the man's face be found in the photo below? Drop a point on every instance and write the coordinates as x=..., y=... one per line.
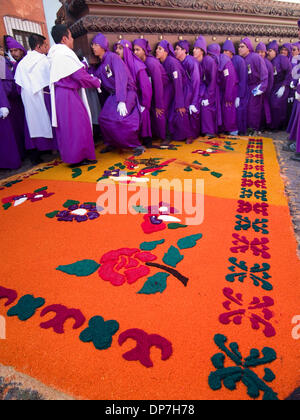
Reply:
x=68, y=40
x=284, y=51
x=295, y=51
x=43, y=49
x=140, y=53
x=2, y=51
x=198, y=54
x=243, y=50
x=161, y=54
x=97, y=50
x=271, y=54
x=180, y=53
x=17, y=54
x=228, y=53
x=120, y=51
x=262, y=53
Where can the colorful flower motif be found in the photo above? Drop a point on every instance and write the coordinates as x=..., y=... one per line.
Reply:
x=80, y=213
x=157, y=218
x=17, y=200
x=124, y=265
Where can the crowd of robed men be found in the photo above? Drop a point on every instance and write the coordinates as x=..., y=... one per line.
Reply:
x=53, y=99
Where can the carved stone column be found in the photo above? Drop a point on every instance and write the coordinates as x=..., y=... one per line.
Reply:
x=180, y=19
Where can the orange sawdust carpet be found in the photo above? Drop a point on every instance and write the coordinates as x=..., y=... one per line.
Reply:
x=106, y=293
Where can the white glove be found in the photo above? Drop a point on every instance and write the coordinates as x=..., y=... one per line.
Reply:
x=292, y=86
x=280, y=93
x=142, y=109
x=4, y=112
x=257, y=91
x=193, y=109
x=297, y=95
x=205, y=102
x=122, y=110
x=237, y=102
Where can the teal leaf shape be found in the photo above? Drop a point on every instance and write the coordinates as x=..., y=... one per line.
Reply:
x=155, y=284
x=189, y=241
x=26, y=307
x=82, y=268
x=150, y=246
x=173, y=257
x=69, y=203
x=100, y=333
x=175, y=226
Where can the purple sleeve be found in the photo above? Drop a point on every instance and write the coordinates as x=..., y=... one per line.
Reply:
x=154, y=70
x=194, y=75
x=287, y=68
x=241, y=71
x=3, y=98
x=230, y=83
x=263, y=72
x=121, y=78
x=84, y=79
x=144, y=88
x=212, y=85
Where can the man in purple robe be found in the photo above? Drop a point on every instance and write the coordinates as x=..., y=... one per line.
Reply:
x=209, y=92
x=119, y=118
x=9, y=152
x=281, y=87
x=192, y=68
x=241, y=72
x=17, y=113
x=33, y=77
x=159, y=79
x=261, y=49
x=176, y=93
x=144, y=87
x=257, y=85
x=228, y=87
x=70, y=113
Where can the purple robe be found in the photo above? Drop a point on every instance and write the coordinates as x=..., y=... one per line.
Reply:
x=228, y=83
x=17, y=113
x=282, y=77
x=241, y=112
x=295, y=125
x=257, y=75
x=144, y=87
x=74, y=132
x=118, y=131
x=267, y=94
x=9, y=153
x=211, y=114
x=192, y=68
x=159, y=79
x=177, y=97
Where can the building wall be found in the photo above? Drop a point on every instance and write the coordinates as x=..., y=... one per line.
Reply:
x=26, y=12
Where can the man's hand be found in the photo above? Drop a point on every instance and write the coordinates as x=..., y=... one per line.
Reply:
x=4, y=112
x=122, y=109
x=159, y=112
x=182, y=111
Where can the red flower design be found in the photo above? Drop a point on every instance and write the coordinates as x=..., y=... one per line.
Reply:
x=125, y=265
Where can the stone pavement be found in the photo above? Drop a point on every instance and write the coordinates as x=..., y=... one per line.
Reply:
x=16, y=386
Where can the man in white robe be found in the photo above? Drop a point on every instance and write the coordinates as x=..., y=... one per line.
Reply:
x=33, y=77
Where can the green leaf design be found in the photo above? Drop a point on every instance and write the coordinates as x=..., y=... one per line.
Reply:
x=69, y=203
x=82, y=268
x=189, y=241
x=41, y=189
x=176, y=226
x=150, y=246
x=155, y=284
x=173, y=257
x=52, y=214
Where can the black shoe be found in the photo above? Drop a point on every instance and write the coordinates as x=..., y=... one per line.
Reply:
x=88, y=162
x=107, y=149
x=292, y=147
x=147, y=142
x=296, y=158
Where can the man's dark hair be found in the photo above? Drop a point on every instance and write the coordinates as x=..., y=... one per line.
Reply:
x=36, y=41
x=58, y=32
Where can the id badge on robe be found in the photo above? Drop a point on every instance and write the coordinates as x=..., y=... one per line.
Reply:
x=108, y=71
x=175, y=74
x=249, y=69
x=150, y=79
x=275, y=71
x=226, y=73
